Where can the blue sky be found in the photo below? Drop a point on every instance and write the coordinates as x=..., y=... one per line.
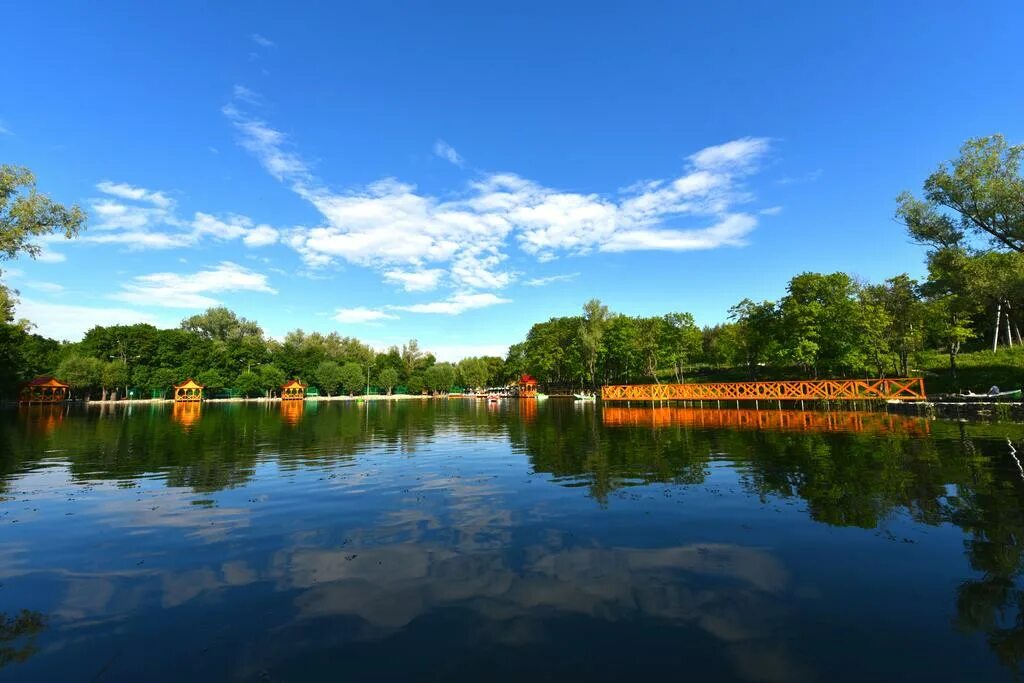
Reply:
x=455, y=173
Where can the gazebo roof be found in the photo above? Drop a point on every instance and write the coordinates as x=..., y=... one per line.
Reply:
x=189, y=384
x=45, y=381
x=527, y=379
x=294, y=383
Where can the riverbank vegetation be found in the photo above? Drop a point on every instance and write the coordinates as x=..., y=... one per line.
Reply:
x=959, y=325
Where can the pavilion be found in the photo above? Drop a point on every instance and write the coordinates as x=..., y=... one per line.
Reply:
x=294, y=390
x=189, y=390
x=44, y=389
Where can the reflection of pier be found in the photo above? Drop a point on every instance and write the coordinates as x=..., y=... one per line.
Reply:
x=902, y=389
x=781, y=420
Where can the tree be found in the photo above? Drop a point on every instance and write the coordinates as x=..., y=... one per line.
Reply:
x=212, y=381
x=440, y=377
x=473, y=372
x=682, y=341
x=979, y=193
x=82, y=373
x=162, y=379
x=412, y=358
x=353, y=378
x=222, y=324
x=595, y=319
x=271, y=378
x=415, y=385
x=328, y=377
x=26, y=213
x=387, y=379
x=248, y=384
x=113, y=375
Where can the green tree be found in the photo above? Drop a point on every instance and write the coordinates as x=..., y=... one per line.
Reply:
x=387, y=379
x=328, y=377
x=473, y=372
x=591, y=334
x=977, y=194
x=248, y=384
x=212, y=380
x=440, y=377
x=221, y=324
x=81, y=372
x=412, y=358
x=353, y=378
x=162, y=379
x=415, y=385
x=682, y=341
x=113, y=375
x=271, y=378
x=26, y=213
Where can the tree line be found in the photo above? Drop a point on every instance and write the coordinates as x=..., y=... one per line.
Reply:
x=970, y=218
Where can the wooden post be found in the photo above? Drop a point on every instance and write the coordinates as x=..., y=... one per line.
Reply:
x=995, y=337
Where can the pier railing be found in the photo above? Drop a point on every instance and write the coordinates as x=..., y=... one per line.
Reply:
x=901, y=389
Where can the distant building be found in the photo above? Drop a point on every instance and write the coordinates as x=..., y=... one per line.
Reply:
x=189, y=390
x=293, y=391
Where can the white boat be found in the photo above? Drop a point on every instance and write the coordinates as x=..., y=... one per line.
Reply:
x=585, y=397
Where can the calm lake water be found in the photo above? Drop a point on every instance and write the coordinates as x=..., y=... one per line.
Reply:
x=461, y=541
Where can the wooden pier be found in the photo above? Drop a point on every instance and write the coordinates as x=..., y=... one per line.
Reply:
x=897, y=389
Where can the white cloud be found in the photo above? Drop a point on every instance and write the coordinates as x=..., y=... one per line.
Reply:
x=422, y=280
x=191, y=290
x=735, y=153
x=456, y=304
x=448, y=153
x=261, y=236
x=48, y=287
x=771, y=211
x=361, y=314
x=4, y=130
x=66, y=322
x=550, y=279
x=262, y=41
x=246, y=95
x=418, y=241
x=138, y=194
x=152, y=223
x=48, y=256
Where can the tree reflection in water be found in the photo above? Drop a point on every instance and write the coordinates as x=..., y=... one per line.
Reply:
x=18, y=636
x=849, y=470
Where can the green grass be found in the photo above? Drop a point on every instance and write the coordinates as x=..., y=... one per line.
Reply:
x=977, y=371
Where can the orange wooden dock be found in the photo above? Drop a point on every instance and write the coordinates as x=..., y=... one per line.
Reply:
x=897, y=389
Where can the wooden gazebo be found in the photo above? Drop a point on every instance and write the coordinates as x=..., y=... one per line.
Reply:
x=293, y=391
x=189, y=390
x=43, y=390
x=527, y=387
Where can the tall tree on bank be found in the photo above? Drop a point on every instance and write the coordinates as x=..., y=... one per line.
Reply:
x=978, y=194
x=595, y=319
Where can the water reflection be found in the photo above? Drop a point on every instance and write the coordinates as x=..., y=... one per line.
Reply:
x=468, y=539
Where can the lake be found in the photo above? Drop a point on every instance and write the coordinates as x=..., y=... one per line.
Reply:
x=456, y=540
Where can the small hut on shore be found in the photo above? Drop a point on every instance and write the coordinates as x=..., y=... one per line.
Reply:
x=187, y=391
x=44, y=390
x=527, y=387
x=293, y=391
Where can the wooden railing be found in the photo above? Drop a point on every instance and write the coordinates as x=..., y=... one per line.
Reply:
x=774, y=420
x=902, y=389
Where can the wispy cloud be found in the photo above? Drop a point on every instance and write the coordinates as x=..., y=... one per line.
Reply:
x=248, y=96
x=456, y=304
x=771, y=211
x=448, y=153
x=262, y=41
x=420, y=241
x=4, y=130
x=69, y=322
x=550, y=279
x=191, y=290
x=140, y=219
x=47, y=287
x=809, y=177
x=139, y=194
x=362, y=315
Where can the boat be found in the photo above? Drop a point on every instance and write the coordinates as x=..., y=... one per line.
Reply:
x=541, y=397
x=585, y=397
x=492, y=398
